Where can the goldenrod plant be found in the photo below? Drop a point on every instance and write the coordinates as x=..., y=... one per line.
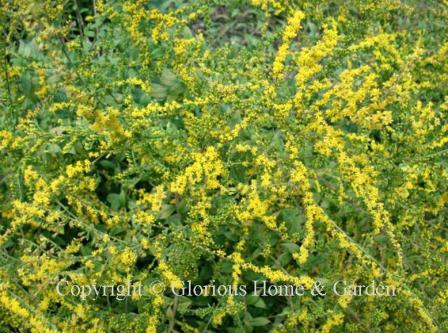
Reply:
x=152, y=151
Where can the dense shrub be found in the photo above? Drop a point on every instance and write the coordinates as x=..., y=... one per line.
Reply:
x=224, y=141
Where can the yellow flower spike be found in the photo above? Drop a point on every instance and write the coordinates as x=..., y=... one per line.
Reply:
x=291, y=30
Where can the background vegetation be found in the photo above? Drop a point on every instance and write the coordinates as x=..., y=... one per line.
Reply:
x=294, y=141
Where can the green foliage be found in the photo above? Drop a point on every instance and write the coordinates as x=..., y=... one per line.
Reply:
x=223, y=142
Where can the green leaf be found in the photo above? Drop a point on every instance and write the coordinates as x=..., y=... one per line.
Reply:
x=53, y=149
x=27, y=85
x=260, y=304
x=117, y=230
x=107, y=164
x=116, y=200
x=293, y=219
x=257, y=322
x=168, y=78
x=158, y=91
x=284, y=258
x=86, y=250
x=252, y=299
x=256, y=301
x=291, y=247
x=166, y=211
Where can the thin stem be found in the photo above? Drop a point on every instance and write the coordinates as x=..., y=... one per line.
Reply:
x=172, y=320
x=79, y=18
